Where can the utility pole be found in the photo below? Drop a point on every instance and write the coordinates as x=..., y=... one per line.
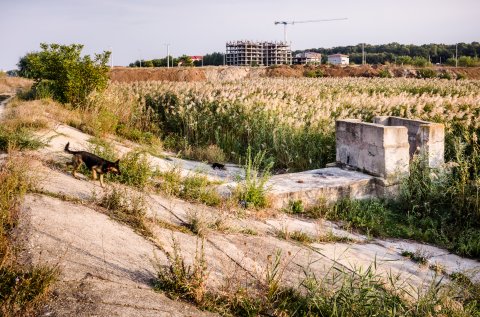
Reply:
x=456, y=55
x=363, y=54
x=111, y=57
x=168, y=54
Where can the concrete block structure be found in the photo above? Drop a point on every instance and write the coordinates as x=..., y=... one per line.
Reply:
x=426, y=138
x=375, y=149
x=252, y=53
x=371, y=160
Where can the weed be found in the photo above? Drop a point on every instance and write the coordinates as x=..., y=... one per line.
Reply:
x=135, y=170
x=198, y=188
x=249, y=231
x=195, y=187
x=295, y=207
x=330, y=237
x=179, y=280
x=252, y=190
x=418, y=256
x=126, y=207
x=296, y=235
x=171, y=181
x=22, y=290
x=21, y=139
x=196, y=223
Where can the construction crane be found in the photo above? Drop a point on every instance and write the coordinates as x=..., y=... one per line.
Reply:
x=284, y=23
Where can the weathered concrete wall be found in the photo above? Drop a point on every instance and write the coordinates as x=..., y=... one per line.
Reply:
x=423, y=137
x=377, y=149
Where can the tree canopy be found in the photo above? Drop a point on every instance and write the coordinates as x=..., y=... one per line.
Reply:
x=390, y=53
x=69, y=76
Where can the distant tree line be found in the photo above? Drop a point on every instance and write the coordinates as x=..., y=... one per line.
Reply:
x=395, y=53
x=213, y=59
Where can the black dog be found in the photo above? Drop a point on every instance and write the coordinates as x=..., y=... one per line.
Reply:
x=93, y=162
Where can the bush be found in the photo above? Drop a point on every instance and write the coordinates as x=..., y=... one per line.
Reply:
x=420, y=61
x=384, y=73
x=70, y=77
x=426, y=73
x=314, y=73
x=135, y=169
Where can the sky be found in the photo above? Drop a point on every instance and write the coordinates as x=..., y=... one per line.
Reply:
x=134, y=29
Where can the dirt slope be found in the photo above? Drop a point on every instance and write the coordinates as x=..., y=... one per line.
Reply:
x=220, y=73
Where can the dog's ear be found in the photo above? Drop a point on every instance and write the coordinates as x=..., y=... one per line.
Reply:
x=117, y=161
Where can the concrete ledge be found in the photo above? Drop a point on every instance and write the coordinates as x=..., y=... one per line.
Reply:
x=323, y=185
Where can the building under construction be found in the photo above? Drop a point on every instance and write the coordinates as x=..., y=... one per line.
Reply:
x=250, y=53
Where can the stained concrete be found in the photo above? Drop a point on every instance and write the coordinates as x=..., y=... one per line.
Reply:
x=376, y=149
x=321, y=185
x=424, y=137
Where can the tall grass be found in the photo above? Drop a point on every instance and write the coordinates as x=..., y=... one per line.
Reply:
x=22, y=288
x=341, y=292
x=291, y=119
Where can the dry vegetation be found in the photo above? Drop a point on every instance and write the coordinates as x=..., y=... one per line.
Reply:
x=10, y=85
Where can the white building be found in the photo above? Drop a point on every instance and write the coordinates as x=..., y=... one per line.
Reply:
x=338, y=59
x=308, y=58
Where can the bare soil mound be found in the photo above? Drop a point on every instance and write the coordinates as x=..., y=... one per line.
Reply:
x=125, y=74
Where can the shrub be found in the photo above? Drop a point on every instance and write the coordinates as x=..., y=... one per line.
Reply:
x=426, y=73
x=314, y=73
x=135, y=169
x=420, y=61
x=445, y=75
x=70, y=77
x=251, y=192
x=384, y=73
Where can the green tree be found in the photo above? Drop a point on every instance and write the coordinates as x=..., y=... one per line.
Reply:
x=70, y=76
x=185, y=60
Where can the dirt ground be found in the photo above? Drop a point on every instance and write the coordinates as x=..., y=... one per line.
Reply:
x=192, y=74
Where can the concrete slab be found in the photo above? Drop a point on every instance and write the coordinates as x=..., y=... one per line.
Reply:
x=329, y=184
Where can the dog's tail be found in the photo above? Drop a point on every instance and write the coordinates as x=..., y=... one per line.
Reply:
x=66, y=149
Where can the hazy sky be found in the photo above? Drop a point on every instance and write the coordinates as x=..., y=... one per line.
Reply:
x=135, y=29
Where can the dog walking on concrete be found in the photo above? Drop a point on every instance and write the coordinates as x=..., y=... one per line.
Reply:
x=93, y=162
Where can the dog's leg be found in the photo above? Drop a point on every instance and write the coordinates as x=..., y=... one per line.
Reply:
x=101, y=180
x=74, y=171
x=94, y=173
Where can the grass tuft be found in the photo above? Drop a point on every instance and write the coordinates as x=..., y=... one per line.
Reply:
x=126, y=207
